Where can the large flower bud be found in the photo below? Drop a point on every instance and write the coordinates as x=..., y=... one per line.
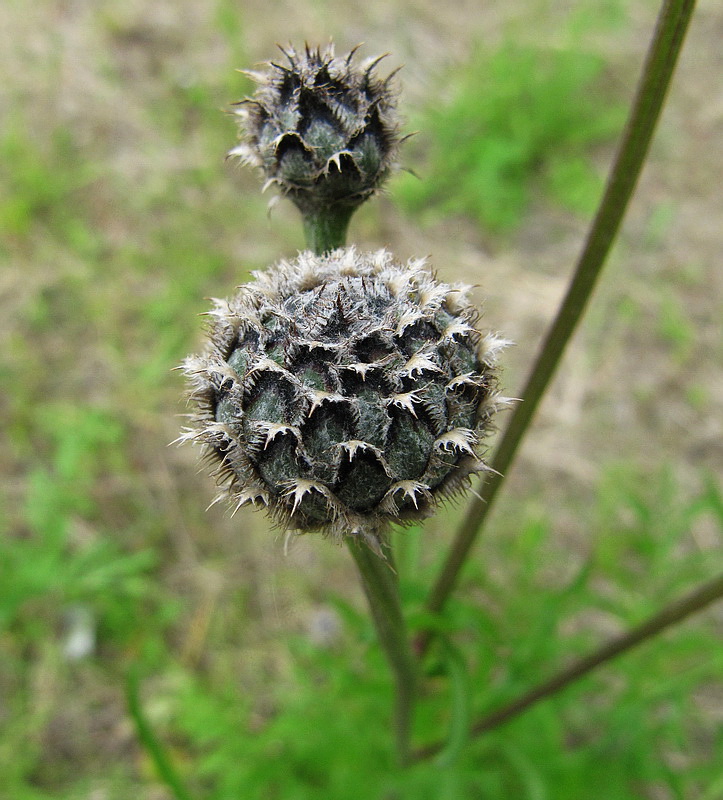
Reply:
x=324, y=129
x=344, y=392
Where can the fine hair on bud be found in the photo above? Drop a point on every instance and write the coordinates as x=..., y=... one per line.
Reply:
x=322, y=128
x=344, y=392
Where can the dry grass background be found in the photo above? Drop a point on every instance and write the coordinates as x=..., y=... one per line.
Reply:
x=89, y=315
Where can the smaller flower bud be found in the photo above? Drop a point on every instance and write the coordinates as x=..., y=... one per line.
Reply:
x=323, y=129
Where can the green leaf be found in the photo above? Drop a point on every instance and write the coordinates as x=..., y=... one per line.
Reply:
x=460, y=709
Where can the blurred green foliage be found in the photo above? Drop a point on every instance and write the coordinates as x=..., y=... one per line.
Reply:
x=38, y=185
x=44, y=569
x=514, y=120
x=325, y=733
x=329, y=736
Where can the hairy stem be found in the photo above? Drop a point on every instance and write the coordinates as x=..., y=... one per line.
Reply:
x=654, y=81
x=381, y=586
x=670, y=615
x=325, y=228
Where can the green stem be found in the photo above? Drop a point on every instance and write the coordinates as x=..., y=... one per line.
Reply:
x=670, y=615
x=662, y=56
x=325, y=228
x=163, y=764
x=381, y=586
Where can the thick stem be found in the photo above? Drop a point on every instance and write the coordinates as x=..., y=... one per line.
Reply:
x=662, y=56
x=381, y=587
x=325, y=227
x=673, y=613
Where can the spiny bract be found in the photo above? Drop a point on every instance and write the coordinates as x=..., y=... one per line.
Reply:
x=324, y=129
x=344, y=392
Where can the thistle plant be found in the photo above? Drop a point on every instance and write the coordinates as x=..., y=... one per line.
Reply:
x=342, y=391
x=346, y=392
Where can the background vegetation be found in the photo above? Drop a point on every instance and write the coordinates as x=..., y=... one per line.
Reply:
x=258, y=668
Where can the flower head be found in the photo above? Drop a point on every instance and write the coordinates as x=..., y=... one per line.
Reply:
x=323, y=129
x=344, y=392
